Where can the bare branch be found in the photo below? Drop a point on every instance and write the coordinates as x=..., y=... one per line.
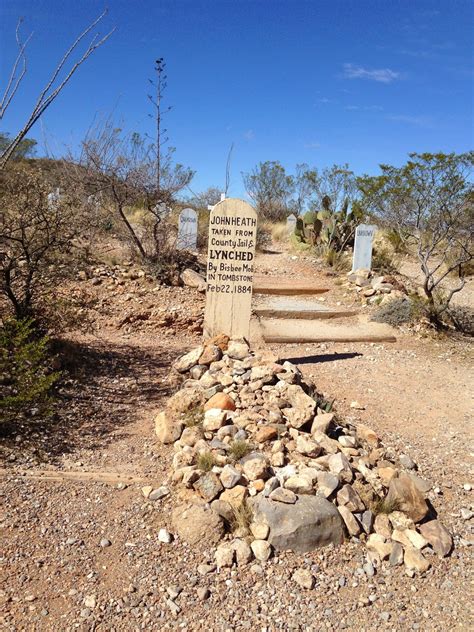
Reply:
x=13, y=84
x=44, y=100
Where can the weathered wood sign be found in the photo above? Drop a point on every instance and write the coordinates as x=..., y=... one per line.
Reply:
x=362, y=259
x=230, y=268
x=291, y=223
x=187, y=230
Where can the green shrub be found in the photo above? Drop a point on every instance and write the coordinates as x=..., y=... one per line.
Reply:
x=25, y=376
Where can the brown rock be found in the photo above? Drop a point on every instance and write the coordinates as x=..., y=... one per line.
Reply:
x=186, y=400
x=211, y=353
x=223, y=508
x=221, y=401
x=378, y=545
x=322, y=422
x=386, y=474
x=266, y=433
x=192, y=279
x=195, y=524
x=235, y=496
x=352, y=526
x=221, y=341
x=438, y=536
x=302, y=406
x=404, y=494
x=348, y=497
x=364, y=433
x=415, y=560
x=382, y=526
x=184, y=363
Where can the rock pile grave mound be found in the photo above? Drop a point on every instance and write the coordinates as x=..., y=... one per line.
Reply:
x=264, y=467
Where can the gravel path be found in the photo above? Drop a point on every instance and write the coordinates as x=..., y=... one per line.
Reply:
x=85, y=555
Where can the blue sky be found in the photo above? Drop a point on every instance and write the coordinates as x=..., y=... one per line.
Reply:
x=322, y=82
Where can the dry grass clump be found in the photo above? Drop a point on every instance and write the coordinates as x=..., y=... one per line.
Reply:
x=238, y=449
x=206, y=461
x=242, y=517
x=384, y=506
x=193, y=417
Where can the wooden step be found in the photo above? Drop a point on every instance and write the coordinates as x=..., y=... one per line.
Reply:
x=264, y=312
x=305, y=330
x=289, y=307
x=286, y=287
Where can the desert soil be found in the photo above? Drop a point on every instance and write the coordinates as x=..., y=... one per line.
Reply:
x=77, y=480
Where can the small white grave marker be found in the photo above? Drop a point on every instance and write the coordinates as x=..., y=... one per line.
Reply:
x=53, y=198
x=187, y=230
x=291, y=223
x=230, y=267
x=362, y=259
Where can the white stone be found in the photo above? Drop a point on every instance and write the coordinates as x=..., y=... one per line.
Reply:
x=261, y=549
x=165, y=536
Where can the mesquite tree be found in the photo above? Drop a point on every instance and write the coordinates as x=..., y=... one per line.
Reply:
x=122, y=168
x=430, y=202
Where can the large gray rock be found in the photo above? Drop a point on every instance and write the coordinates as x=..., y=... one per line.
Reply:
x=308, y=524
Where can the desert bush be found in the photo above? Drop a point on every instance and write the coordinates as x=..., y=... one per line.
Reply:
x=383, y=261
x=462, y=318
x=270, y=189
x=26, y=377
x=123, y=167
x=429, y=201
x=38, y=240
x=397, y=312
x=397, y=240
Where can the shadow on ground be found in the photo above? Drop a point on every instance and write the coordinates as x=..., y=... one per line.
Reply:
x=324, y=357
x=104, y=388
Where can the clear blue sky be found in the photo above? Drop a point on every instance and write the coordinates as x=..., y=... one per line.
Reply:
x=322, y=82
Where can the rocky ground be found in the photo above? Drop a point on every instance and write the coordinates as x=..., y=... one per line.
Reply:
x=88, y=555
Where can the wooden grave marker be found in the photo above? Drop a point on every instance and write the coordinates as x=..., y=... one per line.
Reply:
x=230, y=268
x=187, y=230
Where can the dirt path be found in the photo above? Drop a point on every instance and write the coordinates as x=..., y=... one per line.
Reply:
x=60, y=574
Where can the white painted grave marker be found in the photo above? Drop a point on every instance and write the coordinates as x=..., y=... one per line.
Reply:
x=230, y=267
x=291, y=223
x=187, y=230
x=53, y=198
x=362, y=259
